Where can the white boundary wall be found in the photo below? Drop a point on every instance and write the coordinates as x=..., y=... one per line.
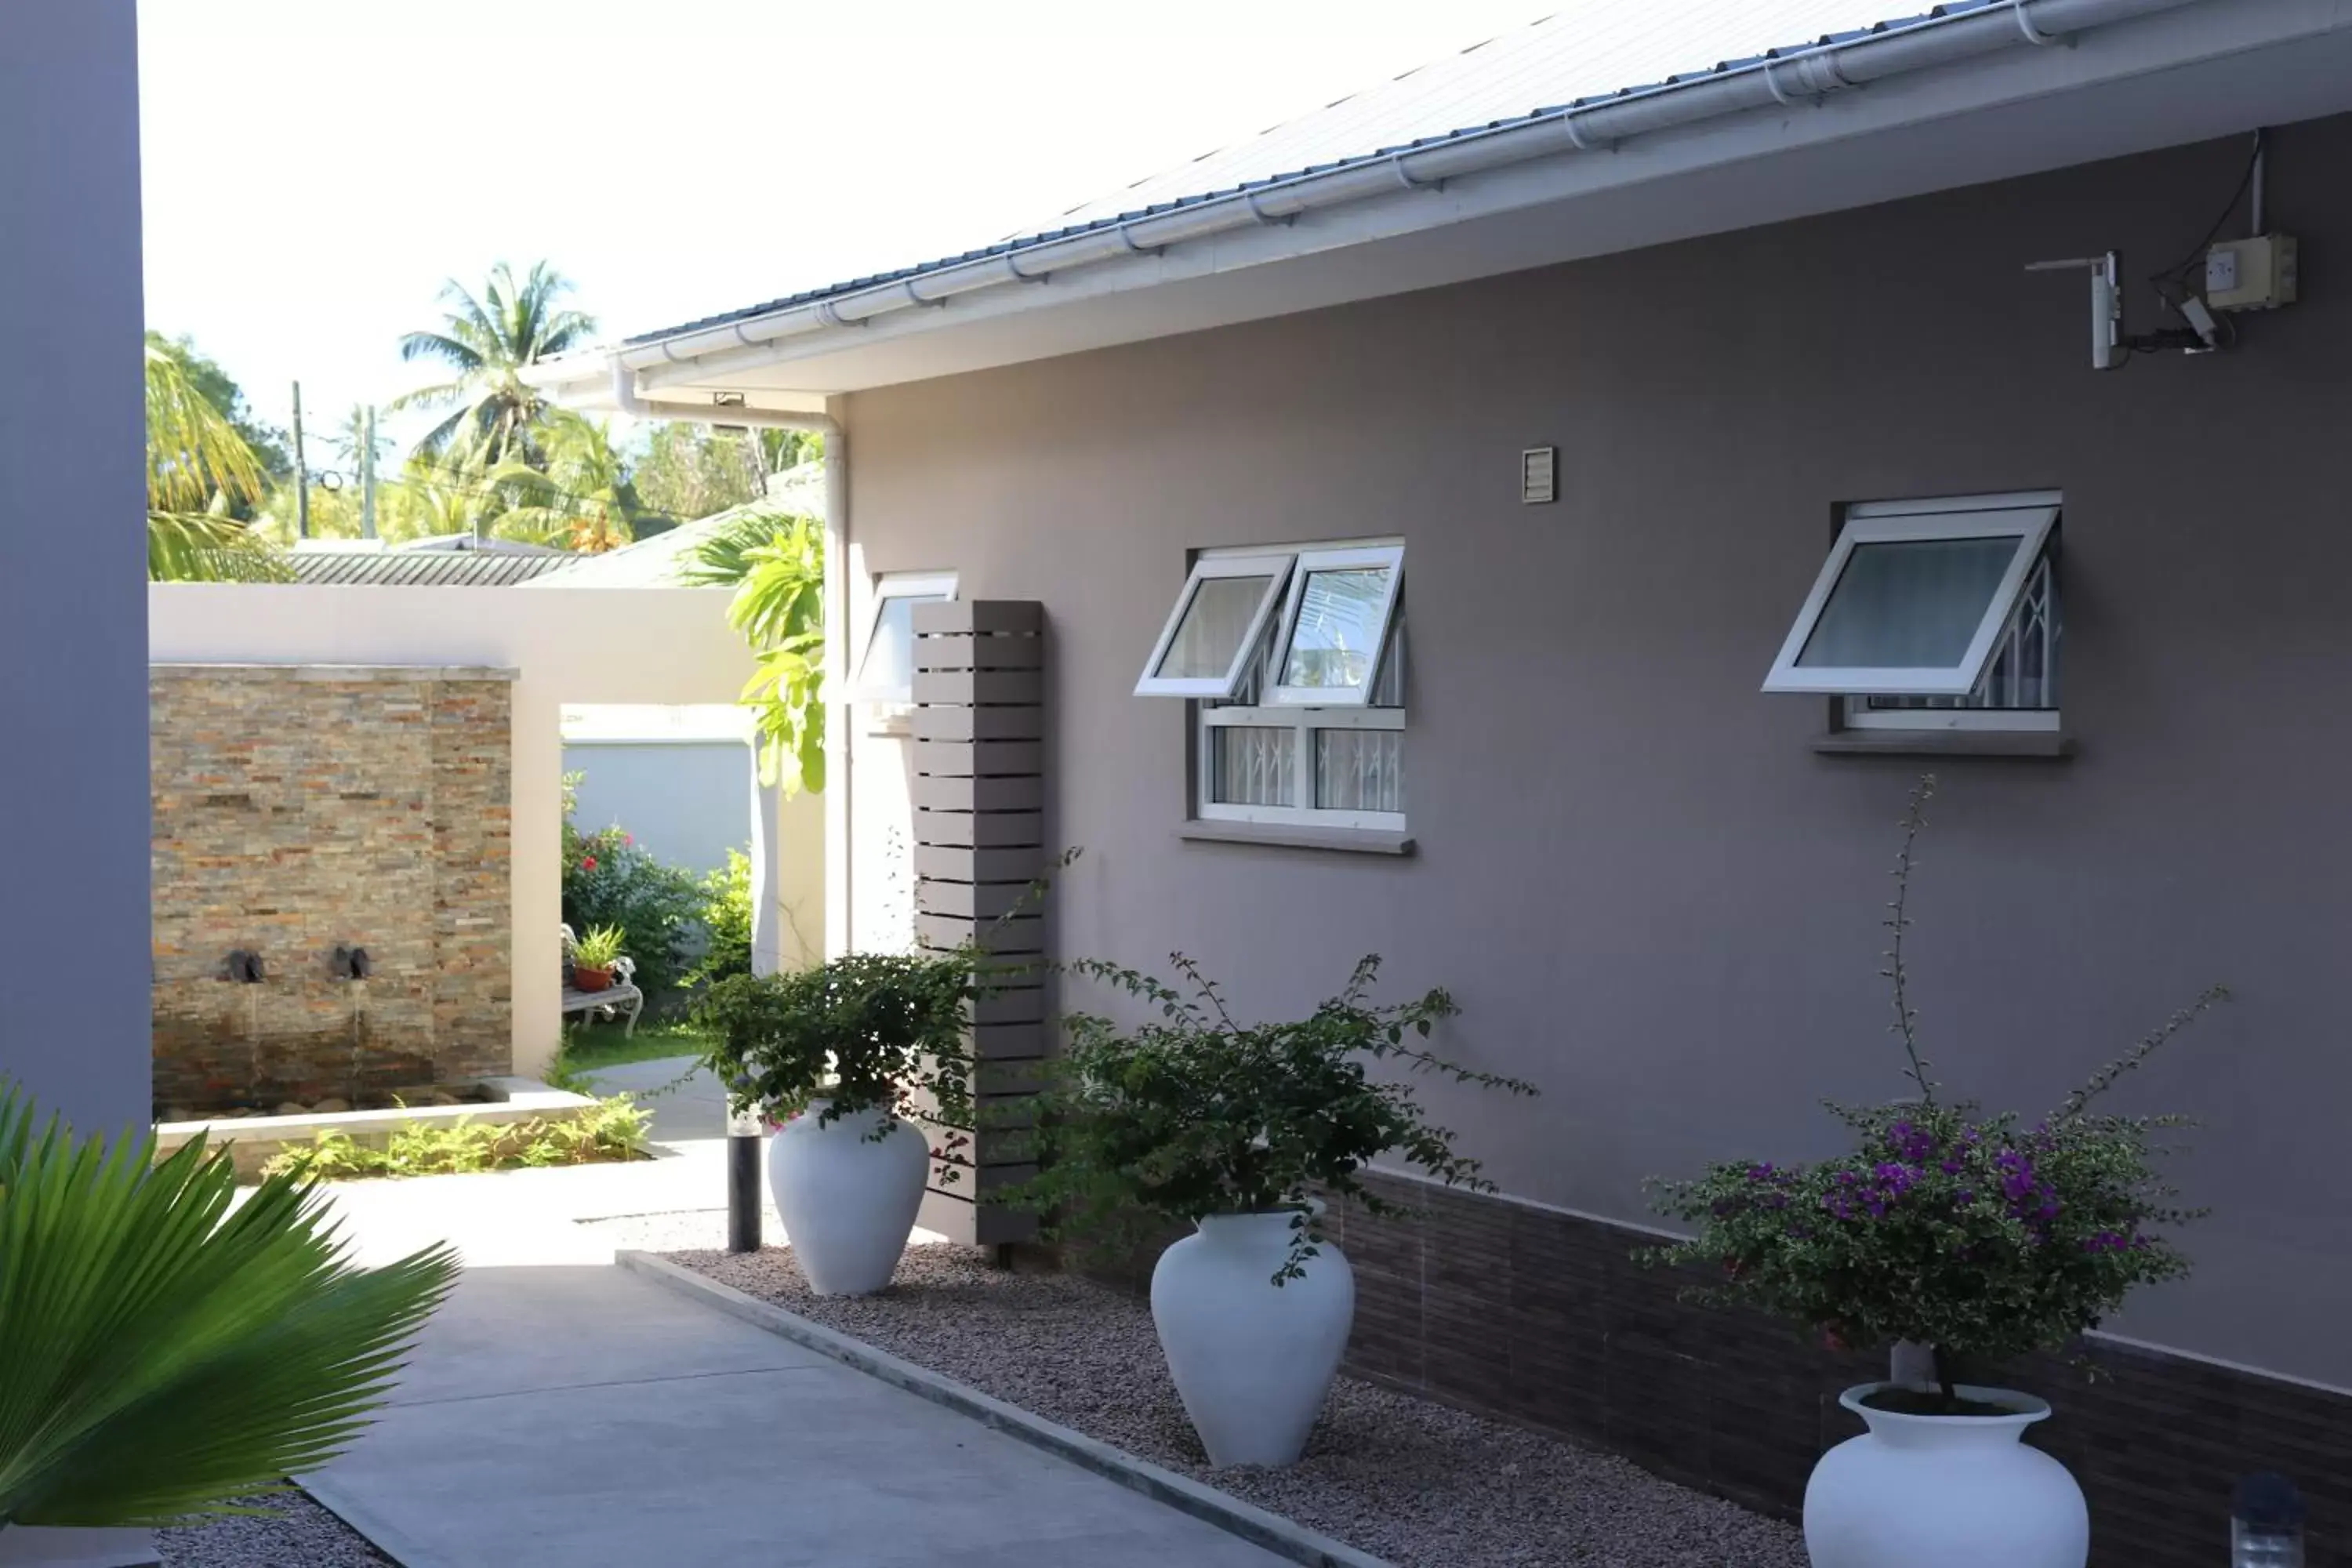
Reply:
x=577, y=645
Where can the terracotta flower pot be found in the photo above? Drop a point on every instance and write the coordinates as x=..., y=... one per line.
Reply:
x=585, y=977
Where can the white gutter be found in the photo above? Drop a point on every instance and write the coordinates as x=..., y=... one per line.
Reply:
x=1798, y=77
x=836, y=615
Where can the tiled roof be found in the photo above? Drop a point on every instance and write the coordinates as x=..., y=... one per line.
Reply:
x=424, y=568
x=1586, y=52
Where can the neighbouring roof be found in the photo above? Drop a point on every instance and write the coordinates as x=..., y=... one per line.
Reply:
x=436, y=567
x=1586, y=52
x=653, y=562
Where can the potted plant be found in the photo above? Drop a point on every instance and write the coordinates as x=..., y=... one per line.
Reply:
x=594, y=955
x=1239, y=1130
x=1962, y=1240
x=846, y=1056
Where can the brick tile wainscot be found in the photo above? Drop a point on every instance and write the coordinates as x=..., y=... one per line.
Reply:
x=301, y=808
x=1542, y=1316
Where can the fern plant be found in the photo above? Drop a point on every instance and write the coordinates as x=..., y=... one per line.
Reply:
x=163, y=1351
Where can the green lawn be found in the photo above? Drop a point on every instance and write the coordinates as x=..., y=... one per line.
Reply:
x=590, y=1046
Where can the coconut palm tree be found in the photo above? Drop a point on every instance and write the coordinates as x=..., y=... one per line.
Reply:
x=581, y=498
x=198, y=467
x=485, y=342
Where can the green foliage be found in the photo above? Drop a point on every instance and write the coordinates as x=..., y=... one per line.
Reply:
x=590, y=1047
x=692, y=471
x=614, y=1129
x=609, y=881
x=577, y=494
x=780, y=610
x=218, y=387
x=1945, y=1227
x=484, y=342
x=598, y=946
x=1194, y=1114
x=163, y=1350
x=722, y=557
x=865, y=1032
x=201, y=475
x=726, y=922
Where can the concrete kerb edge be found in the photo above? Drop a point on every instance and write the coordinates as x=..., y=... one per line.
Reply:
x=1253, y=1524
x=386, y=1538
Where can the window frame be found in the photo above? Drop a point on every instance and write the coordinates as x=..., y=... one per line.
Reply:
x=887, y=586
x=2028, y=518
x=1278, y=565
x=1334, y=558
x=1304, y=725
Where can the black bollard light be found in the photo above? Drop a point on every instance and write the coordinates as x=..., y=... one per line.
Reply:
x=2266, y=1523
x=743, y=1133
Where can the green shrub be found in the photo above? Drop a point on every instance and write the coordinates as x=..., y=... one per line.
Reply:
x=1192, y=1114
x=865, y=1032
x=726, y=922
x=614, y=1129
x=164, y=1350
x=609, y=881
x=1971, y=1235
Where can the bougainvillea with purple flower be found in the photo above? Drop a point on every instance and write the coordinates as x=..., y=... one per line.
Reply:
x=1945, y=1226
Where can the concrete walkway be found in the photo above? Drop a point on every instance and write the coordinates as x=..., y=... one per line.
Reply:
x=562, y=1412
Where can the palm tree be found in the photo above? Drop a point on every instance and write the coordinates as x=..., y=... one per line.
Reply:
x=581, y=498
x=198, y=467
x=165, y=1350
x=486, y=343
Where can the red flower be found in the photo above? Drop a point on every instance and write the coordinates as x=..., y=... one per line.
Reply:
x=588, y=863
x=628, y=839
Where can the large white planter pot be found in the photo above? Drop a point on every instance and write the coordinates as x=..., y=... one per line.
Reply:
x=1944, y=1491
x=1251, y=1360
x=847, y=1199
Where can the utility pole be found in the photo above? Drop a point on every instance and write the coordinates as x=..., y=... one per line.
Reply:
x=302, y=473
x=367, y=472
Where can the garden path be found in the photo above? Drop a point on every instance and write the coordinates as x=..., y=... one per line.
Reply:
x=559, y=1411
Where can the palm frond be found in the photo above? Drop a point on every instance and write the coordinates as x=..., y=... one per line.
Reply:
x=722, y=558
x=193, y=451
x=162, y=1351
x=205, y=547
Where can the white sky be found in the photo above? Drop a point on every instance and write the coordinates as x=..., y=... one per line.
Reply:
x=315, y=168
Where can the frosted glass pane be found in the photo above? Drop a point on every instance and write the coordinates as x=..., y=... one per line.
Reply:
x=1339, y=622
x=1360, y=770
x=890, y=657
x=1210, y=636
x=1254, y=766
x=1912, y=603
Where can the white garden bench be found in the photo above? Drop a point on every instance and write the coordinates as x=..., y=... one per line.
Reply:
x=620, y=999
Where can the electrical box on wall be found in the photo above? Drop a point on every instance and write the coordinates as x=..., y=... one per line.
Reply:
x=1540, y=475
x=2253, y=274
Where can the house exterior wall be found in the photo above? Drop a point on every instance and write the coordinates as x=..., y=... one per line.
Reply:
x=1647, y=890
x=73, y=768
x=689, y=802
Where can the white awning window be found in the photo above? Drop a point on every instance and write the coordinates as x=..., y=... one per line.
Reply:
x=1336, y=624
x=886, y=673
x=1915, y=597
x=1219, y=617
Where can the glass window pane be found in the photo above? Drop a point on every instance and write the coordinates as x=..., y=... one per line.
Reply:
x=1254, y=766
x=1338, y=623
x=1214, y=623
x=1360, y=770
x=1912, y=603
x=890, y=664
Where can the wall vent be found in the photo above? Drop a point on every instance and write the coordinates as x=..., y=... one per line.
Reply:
x=1540, y=475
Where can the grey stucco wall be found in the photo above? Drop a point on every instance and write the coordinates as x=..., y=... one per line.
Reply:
x=73, y=642
x=1644, y=888
x=689, y=802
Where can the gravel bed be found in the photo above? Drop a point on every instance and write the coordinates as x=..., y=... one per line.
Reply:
x=1418, y=1483
x=297, y=1533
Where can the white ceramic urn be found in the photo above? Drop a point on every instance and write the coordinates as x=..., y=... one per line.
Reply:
x=1944, y=1491
x=1252, y=1359
x=847, y=1198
